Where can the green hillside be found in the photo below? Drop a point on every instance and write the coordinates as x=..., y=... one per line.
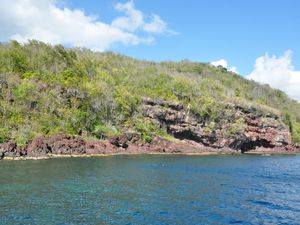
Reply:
x=47, y=90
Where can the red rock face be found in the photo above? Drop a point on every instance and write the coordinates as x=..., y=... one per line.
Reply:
x=260, y=132
x=274, y=137
x=12, y=150
x=58, y=144
x=257, y=133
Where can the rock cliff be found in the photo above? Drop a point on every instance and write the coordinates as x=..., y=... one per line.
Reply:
x=239, y=130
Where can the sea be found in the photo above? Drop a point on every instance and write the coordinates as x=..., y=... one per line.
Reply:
x=152, y=189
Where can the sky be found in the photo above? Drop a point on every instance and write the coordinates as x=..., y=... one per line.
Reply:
x=256, y=39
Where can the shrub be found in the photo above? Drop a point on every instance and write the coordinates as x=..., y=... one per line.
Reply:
x=48, y=89
x=4, y=135
x=103, y=131
x=238, y=126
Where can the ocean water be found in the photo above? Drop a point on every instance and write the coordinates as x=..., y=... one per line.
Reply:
x=151, y=189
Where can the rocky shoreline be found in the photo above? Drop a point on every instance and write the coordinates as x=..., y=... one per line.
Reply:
x=62, y=145
x=239, y=130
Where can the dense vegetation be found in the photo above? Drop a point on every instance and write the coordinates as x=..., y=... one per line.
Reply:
x=50, y=89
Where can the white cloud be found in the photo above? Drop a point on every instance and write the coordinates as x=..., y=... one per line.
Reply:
x=157, y=25
x=278, y=72
x=223, y=63
x=135, y=20
x=46, y=21
x=233, y=69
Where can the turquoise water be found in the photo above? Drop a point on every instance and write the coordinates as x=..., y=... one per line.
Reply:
x=151, y=189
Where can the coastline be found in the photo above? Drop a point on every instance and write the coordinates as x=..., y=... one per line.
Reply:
x=207, y=153
x=57, y=156
x=65, y=146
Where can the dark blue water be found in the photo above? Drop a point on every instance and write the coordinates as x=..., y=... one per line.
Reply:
x=151, y=189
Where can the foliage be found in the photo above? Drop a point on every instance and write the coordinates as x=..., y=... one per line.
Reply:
x=4, y=135
x=103, y=131
x=48, y=89
x=238, y=126
x=146, y=128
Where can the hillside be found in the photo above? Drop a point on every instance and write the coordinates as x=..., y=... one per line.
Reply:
x=49, y=90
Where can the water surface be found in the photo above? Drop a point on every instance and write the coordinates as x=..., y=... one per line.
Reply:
x=151, y=189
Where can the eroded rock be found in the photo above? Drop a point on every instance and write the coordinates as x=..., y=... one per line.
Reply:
x=259, y=131
x=239, y=130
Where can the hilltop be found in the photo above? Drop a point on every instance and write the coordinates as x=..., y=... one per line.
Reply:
x=52, y=97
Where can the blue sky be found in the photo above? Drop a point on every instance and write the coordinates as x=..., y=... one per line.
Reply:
x=238, y=31
x=233, y=33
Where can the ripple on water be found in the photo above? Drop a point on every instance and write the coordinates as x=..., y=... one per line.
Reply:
x=152, y=190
